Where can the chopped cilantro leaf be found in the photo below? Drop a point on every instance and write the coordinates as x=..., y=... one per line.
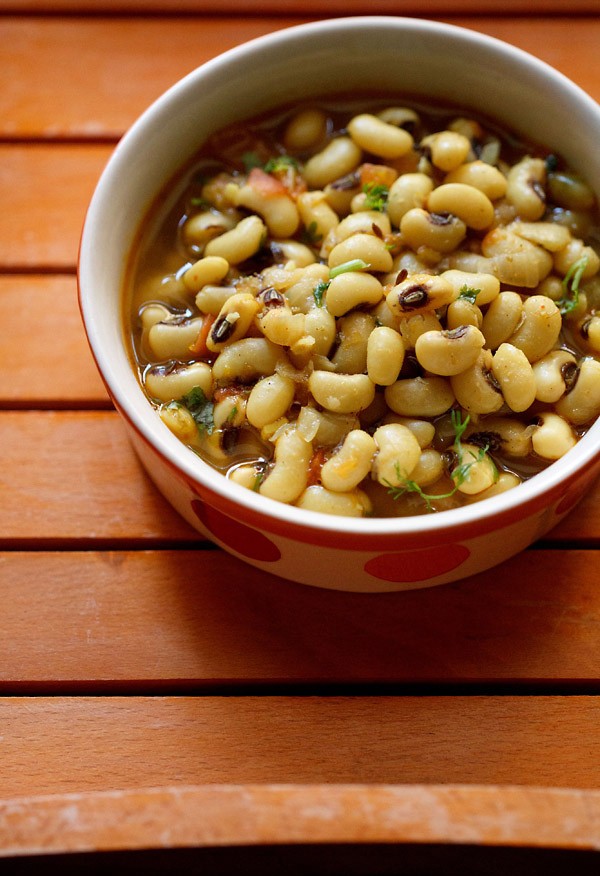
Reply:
x=570, y=285
x=319, y=291
x=200, y=408
x=469, y=294
x=280, y=163
x=377, y=196
x=352, y=265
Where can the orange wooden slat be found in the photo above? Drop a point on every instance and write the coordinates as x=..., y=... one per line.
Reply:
x=305, y=7
x=74, y=475
x=246, y=815
x=195, y=619
x=44, y=193
x=44, y=356
x=61, y=745
x=60, y=74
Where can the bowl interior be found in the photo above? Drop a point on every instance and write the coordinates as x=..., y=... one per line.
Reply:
x=375, y=54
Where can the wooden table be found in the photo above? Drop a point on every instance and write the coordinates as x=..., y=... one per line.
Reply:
x=157, y=694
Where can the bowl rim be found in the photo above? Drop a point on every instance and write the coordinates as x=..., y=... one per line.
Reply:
x=513, y=503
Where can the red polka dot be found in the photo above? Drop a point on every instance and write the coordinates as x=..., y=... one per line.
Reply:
x=417, y=565
x=241, y=538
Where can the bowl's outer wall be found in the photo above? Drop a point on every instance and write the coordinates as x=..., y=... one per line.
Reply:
x=404, y=56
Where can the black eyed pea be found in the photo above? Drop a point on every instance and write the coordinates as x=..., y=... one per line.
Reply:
x=482, y=176
x=153, y=313
x=408, y=191
x=379, y=137
x=210, y=299
x=420, y=396
x=441, y=232
x=233, y=321
x=463, y=312
x=305, y=129
x=247, y=359
x=419, y=294
x=371, y=249
x=400, y=116
x=279, y=211
x=365, y=222
x=412, y=327
x=449, y=352
x=502, y=434
x=202, y=227
x=485, y=287
x=281, y=326
x=300, y=295
x=241, y=242
x=246, y=475
x=526, y=187
x=429, y=469
x=167, y=383
x=423, y=430
x=502, y=318
x=507, y=480
x=340, y=157
x=398, y=453
x=553, y=436
x=514, y=374
x=549, y=235
x=582, y=403
x=351, y=289
x=172, y=339
x=575, y=250
x=385, y=355
x=316, y=214
x=319, y=324
x=540, y=327
x=471, y=262
x=554, y=374
x=481, y=472
x=209, y=270
x=288, y=477
x=448, y=149
x=468, y=203
x=350, y=464
x=180, y=422
x=341, y=192
x=355, y=503
x=354, y=331
x=323, y=428
x=294, y=253
x=514, y=260
x=269, y=399
x=590, y=330
x=230, y=412
x=476, y=389
x=341, y=393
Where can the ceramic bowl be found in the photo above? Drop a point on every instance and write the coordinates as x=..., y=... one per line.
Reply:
x=410, y=57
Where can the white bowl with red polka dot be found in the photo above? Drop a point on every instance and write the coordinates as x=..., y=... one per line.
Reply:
x=380, y=53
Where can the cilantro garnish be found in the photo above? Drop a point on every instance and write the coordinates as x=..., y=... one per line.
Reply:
x=280, y=163
x=311, y=235
x=458, y=474
x=570, y=285
x=377, y=196
x=200, y=408
x=468, y=293
x=319, y=291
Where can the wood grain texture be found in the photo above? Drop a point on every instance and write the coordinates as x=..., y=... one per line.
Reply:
x=63, y=745
x=193, y=620
x=49, y=93
x=44, y=356
x=236, y=815
x=88, y=483
x=44, y=194
x=305, y=7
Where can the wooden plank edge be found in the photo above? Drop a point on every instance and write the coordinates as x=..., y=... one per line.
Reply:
x=255, y=815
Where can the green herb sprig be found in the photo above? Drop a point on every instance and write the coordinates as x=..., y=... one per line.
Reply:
x=570, y=284
x=201, y=409
x=459, y=474
x=377, y=196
